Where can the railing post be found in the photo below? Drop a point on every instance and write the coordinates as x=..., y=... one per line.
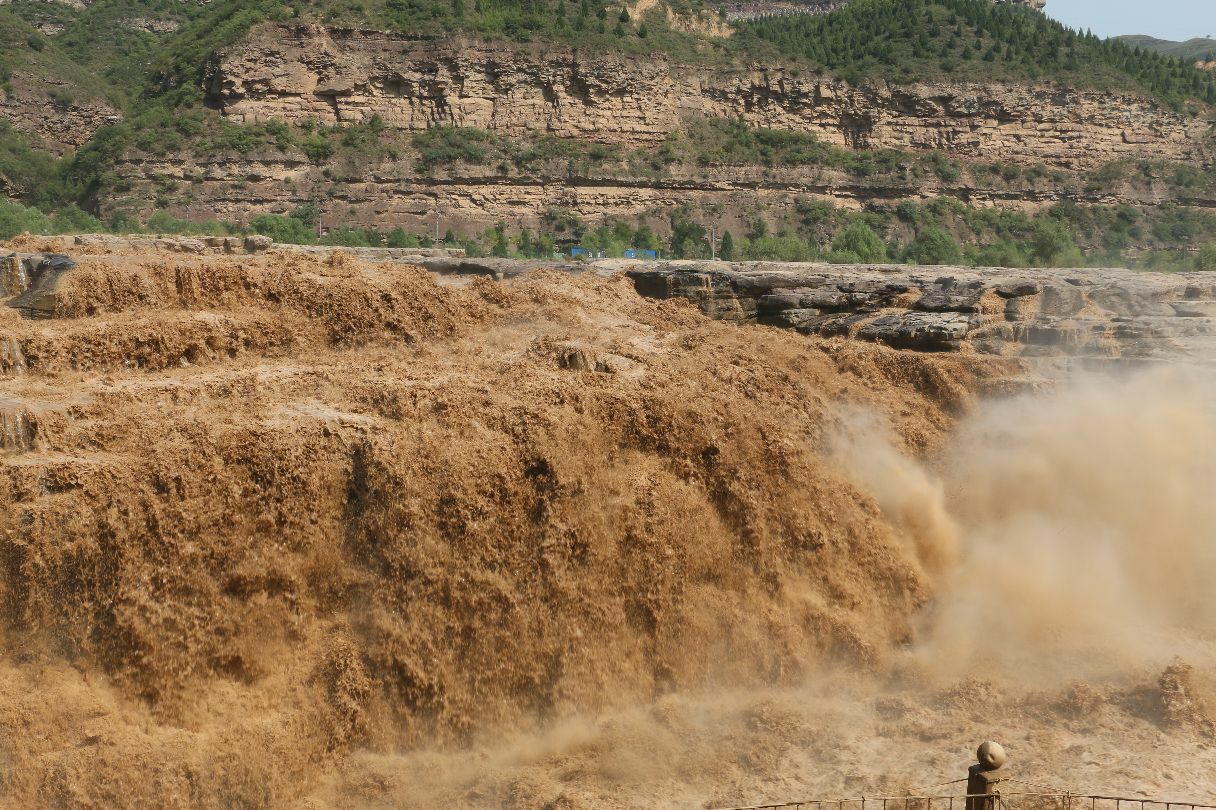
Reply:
x=983, y=777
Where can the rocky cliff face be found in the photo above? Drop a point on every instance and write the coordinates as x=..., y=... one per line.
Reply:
x=332, y=75
x=236, y=187
x=52, y=114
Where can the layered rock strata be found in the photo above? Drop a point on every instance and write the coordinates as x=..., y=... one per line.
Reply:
x=293, y=73
x=60, y=125
x=235, y=188
x=1096, y=313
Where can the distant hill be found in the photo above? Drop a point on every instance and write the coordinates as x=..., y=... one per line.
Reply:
x=1190, y=51
x=975, y=40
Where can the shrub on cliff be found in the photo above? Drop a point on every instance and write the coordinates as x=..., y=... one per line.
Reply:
x=28, y=170
x=934, y=246
x=444, y=146
x=858, y=244
x=16, y=219
x=318, y=148
x=732, y=142
x=287, y=230
x=1206, y=260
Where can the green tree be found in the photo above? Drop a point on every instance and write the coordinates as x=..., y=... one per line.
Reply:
x=934, y=246
x=71, y=219
x=287, y=230
x=309, y=213
x=1052, y=245
x=501, y=247
x=1001, y=254
x=784, y=247
x=645, y=238
x=398, y=238
x=858, y=244
x=16, y=219
x=526, y=246
x=688, y=239
x=727, y=250
x=353, y=237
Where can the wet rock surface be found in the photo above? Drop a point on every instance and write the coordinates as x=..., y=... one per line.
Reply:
x=30, y=280
x=1092, y=312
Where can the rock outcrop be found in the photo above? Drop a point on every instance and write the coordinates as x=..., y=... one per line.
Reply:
x=1092, y=313
x=105, y=244
x=56, y=115
x=1087, y=313
x=332, y=75
x=394, y=193
x=29, y=281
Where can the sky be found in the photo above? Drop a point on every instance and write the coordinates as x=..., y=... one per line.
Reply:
x=1165, y=19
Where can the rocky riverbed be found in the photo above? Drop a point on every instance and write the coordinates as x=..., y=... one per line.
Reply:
x=1092, y=312
x=1087, y=313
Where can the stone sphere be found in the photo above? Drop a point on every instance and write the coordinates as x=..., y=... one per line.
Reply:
x=991, y=755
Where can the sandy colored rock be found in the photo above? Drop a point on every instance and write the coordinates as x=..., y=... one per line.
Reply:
x=1096, y=313
x=293, y=73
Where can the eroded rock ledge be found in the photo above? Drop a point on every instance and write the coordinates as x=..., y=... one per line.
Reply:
x=1099, y=313
x=1029, y=313
x=297, y=72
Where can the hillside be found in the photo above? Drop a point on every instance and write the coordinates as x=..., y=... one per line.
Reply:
x=976, y=40
x=1197, y=49
x=57, y=103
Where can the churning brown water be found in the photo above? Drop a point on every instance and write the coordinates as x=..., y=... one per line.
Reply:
x=288, y=532
x=1089, y=523
x=1068, y=531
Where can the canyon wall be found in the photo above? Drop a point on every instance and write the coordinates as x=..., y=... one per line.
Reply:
x=338, y=75
x=386, y=195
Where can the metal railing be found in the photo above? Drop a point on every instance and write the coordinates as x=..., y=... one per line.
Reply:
x=1004, y=800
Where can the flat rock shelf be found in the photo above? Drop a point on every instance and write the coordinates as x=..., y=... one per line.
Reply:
x=1091, y=312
